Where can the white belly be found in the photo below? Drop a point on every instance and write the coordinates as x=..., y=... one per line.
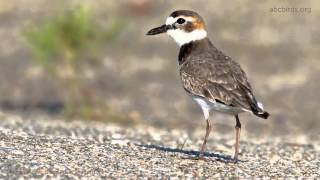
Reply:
x=216, y=106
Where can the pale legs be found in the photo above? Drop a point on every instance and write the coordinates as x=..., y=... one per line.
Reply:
x=208, y=130
x=238, y=129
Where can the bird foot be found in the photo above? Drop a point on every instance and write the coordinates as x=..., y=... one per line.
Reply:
x=235, y=160
x=201, y=157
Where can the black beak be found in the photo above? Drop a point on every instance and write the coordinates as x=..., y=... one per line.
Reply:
x=158, y=30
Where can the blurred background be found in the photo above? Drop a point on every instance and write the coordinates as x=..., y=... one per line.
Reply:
x=91, y=60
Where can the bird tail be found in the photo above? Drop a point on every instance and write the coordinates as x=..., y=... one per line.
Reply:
x=263, y=114
x=258, y=111
x=256, y=107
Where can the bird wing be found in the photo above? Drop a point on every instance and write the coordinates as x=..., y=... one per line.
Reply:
x=220, y=79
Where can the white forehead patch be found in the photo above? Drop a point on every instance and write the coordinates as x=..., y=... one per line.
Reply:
x=171, y=20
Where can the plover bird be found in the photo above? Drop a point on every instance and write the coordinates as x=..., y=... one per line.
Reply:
x=210, y=77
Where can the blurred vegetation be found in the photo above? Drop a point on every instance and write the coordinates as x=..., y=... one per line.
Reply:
x=66, y=46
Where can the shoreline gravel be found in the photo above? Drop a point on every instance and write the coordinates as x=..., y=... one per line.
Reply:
x=59, y=149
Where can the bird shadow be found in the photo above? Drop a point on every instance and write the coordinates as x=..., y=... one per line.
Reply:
x=192, y=154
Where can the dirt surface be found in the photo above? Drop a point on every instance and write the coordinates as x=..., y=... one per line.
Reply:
x=55, y=148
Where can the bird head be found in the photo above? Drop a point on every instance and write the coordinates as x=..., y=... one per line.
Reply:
x=183, y=26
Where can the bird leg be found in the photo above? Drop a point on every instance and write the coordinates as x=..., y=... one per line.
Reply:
x=208, y=130
x=238, y=129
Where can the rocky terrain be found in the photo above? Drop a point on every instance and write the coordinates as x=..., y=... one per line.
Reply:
x=47, y=148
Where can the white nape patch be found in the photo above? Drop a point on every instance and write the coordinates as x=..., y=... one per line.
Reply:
x=260, y=105
x=182, y=37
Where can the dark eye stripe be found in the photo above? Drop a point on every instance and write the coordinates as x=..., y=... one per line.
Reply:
x=181, y=21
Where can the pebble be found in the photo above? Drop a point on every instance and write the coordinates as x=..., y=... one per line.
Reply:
x=56, y=149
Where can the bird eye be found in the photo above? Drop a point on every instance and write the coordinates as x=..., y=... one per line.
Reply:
x=181, y=21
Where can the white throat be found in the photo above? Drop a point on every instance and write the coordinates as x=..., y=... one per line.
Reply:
x=182, y=37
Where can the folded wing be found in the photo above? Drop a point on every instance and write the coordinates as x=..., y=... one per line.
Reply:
x=219, y=79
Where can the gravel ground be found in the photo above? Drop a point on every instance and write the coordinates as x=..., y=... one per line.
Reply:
x=40, y=147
